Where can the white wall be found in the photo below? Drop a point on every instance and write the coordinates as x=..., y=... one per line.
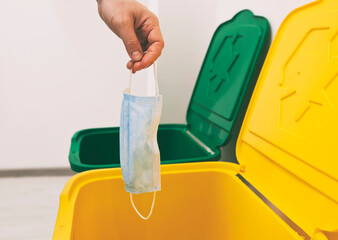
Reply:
x=62, y=70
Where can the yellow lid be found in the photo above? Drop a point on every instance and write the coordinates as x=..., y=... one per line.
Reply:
x=289, y=139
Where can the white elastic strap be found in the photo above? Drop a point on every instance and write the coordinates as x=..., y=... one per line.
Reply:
x=156, y=80
x=155, y=77
x=130, y=77
x=151, y=209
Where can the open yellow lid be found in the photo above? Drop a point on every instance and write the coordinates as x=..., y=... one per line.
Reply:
x=288, y=143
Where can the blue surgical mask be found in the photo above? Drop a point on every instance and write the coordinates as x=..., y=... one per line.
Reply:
x=139, y=152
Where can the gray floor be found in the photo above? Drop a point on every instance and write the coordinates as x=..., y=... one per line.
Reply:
x=28, y=206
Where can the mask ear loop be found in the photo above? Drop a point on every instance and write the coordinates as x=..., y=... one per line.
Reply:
x=130, y=77
x=156, y=80
x=131, y=196
x=155, y=77
x=151, y=209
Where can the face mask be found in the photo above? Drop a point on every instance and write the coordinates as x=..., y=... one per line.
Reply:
x=139, y=152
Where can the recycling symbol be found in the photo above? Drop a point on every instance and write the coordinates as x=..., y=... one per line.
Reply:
x=222, y=63
x=310, y=81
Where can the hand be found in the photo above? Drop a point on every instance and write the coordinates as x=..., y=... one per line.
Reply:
x=137, y=27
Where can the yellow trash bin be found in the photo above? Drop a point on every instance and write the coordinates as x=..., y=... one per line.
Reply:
x=198, y=201
x=286, y=183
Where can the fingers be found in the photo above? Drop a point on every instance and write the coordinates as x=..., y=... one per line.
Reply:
x=156, y=45
x=130, y=65
x=118, y=15
x=137, y=27
x=149, y=58
x=131, y=42
x=154, y=50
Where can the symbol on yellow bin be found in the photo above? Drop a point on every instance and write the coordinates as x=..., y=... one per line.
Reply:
x=222, y=63
x=310, y=79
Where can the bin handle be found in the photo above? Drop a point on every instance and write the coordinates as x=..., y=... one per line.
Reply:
x=151, y=209
x=155, y=77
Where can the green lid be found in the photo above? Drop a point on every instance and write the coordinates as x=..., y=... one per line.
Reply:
x=229, y=65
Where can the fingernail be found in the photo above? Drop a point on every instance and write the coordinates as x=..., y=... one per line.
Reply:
x=136, y=55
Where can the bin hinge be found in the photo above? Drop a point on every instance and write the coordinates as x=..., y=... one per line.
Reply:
x=205, y=147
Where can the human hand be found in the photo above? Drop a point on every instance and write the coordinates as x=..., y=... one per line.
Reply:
x=137, y=27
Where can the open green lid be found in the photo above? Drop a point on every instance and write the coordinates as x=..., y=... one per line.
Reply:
x=232, y=59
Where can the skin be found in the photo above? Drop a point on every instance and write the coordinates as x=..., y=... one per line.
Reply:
x=137, y=27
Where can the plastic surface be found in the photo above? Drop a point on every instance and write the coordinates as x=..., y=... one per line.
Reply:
x=198, y=201
x=230, y=63
x=99, y=148
x=288, y=141
x=233, y=60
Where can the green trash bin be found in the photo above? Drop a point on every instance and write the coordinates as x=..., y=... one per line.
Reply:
x=231, y=63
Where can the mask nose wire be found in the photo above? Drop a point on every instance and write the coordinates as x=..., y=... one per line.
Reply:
x=155, y=77
x=151, y=209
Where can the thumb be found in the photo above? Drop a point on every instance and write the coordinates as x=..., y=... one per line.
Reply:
x=131, y=42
